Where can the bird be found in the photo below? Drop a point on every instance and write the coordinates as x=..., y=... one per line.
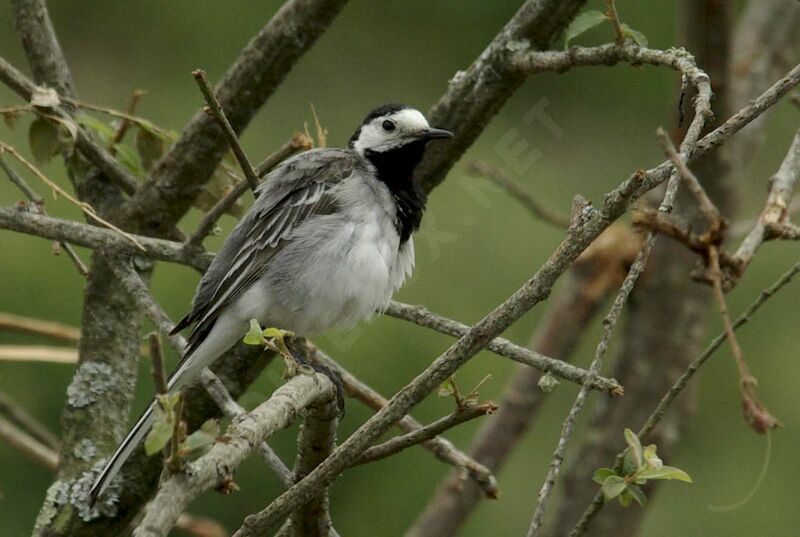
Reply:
x=325, y=245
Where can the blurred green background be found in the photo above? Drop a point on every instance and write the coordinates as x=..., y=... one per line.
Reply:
x=476, y=246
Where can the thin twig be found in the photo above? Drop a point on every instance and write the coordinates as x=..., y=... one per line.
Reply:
x=442, y=448
x=423, y=434
x=678, y=386
x=82, y=205
x=39, y=327
x=611, y=13
x=421, y=316
x=38, y=201
x=27, y=444
x=538, y=210
x=216, y=109
x=18, y=415
x=38, y=353
x=119, y=134
x=609, y=322
x=776, y=211
x=707, y=207
x=755, y=413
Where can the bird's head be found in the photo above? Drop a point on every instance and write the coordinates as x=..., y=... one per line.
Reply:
x=391, y=127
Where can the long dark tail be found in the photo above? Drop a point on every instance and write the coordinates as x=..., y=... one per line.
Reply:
x=112, y=468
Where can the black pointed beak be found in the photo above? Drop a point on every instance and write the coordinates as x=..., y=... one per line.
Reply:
x=434, y=134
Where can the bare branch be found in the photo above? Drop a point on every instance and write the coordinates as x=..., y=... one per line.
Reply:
x=17, y=415
x=27, y=444
x=539, y=211
x=423, y=434
x=38, y=353
x=442, y=448
x=776, y=213
x=707, y=207
x=215, y=468
x=98, y=238
x=219, y=114
x=39, y=327
x=422, y=317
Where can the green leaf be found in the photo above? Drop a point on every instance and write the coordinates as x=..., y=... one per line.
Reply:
x=636, y=492
x=211, y=427
x=446, y=389
x=613, y=487
x=129, y=158
x=159, y=435
x=149, y=145
x=601, y=474
x=253, y=336
x=43, y=140
x=583, y=23
x=635, y=447
x=547, y=382
x=276, y=333
x=665, y=472
x=651, y=458
x=196, y=441
x=625, y=498
x=103, y=132
x=638, y=37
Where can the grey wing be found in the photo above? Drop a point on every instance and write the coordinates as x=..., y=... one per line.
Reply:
x=294, y=191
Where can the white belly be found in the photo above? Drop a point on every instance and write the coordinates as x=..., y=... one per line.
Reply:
x=334, y=273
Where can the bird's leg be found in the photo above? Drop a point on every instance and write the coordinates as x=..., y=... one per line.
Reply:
x=297, y=351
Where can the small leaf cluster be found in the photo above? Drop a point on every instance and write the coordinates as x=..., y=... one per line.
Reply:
x=270, y=338
x=639, y=465
x=167, y=425
x=592, y=18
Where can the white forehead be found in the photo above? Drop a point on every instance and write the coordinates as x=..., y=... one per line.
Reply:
x=410, y=119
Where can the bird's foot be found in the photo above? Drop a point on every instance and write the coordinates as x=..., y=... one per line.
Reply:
x=298, y=362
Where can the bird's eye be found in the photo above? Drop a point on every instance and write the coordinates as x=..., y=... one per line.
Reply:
x=388, y=126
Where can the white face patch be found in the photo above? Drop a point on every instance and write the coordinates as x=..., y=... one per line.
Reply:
x=376, y=136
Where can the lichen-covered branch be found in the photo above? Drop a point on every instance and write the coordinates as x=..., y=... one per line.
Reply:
x=315, y=442
x=216, y=468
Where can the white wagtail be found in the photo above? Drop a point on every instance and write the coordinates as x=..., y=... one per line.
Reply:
x=325, y=245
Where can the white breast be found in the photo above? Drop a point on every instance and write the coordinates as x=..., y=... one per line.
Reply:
x=337, y=269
